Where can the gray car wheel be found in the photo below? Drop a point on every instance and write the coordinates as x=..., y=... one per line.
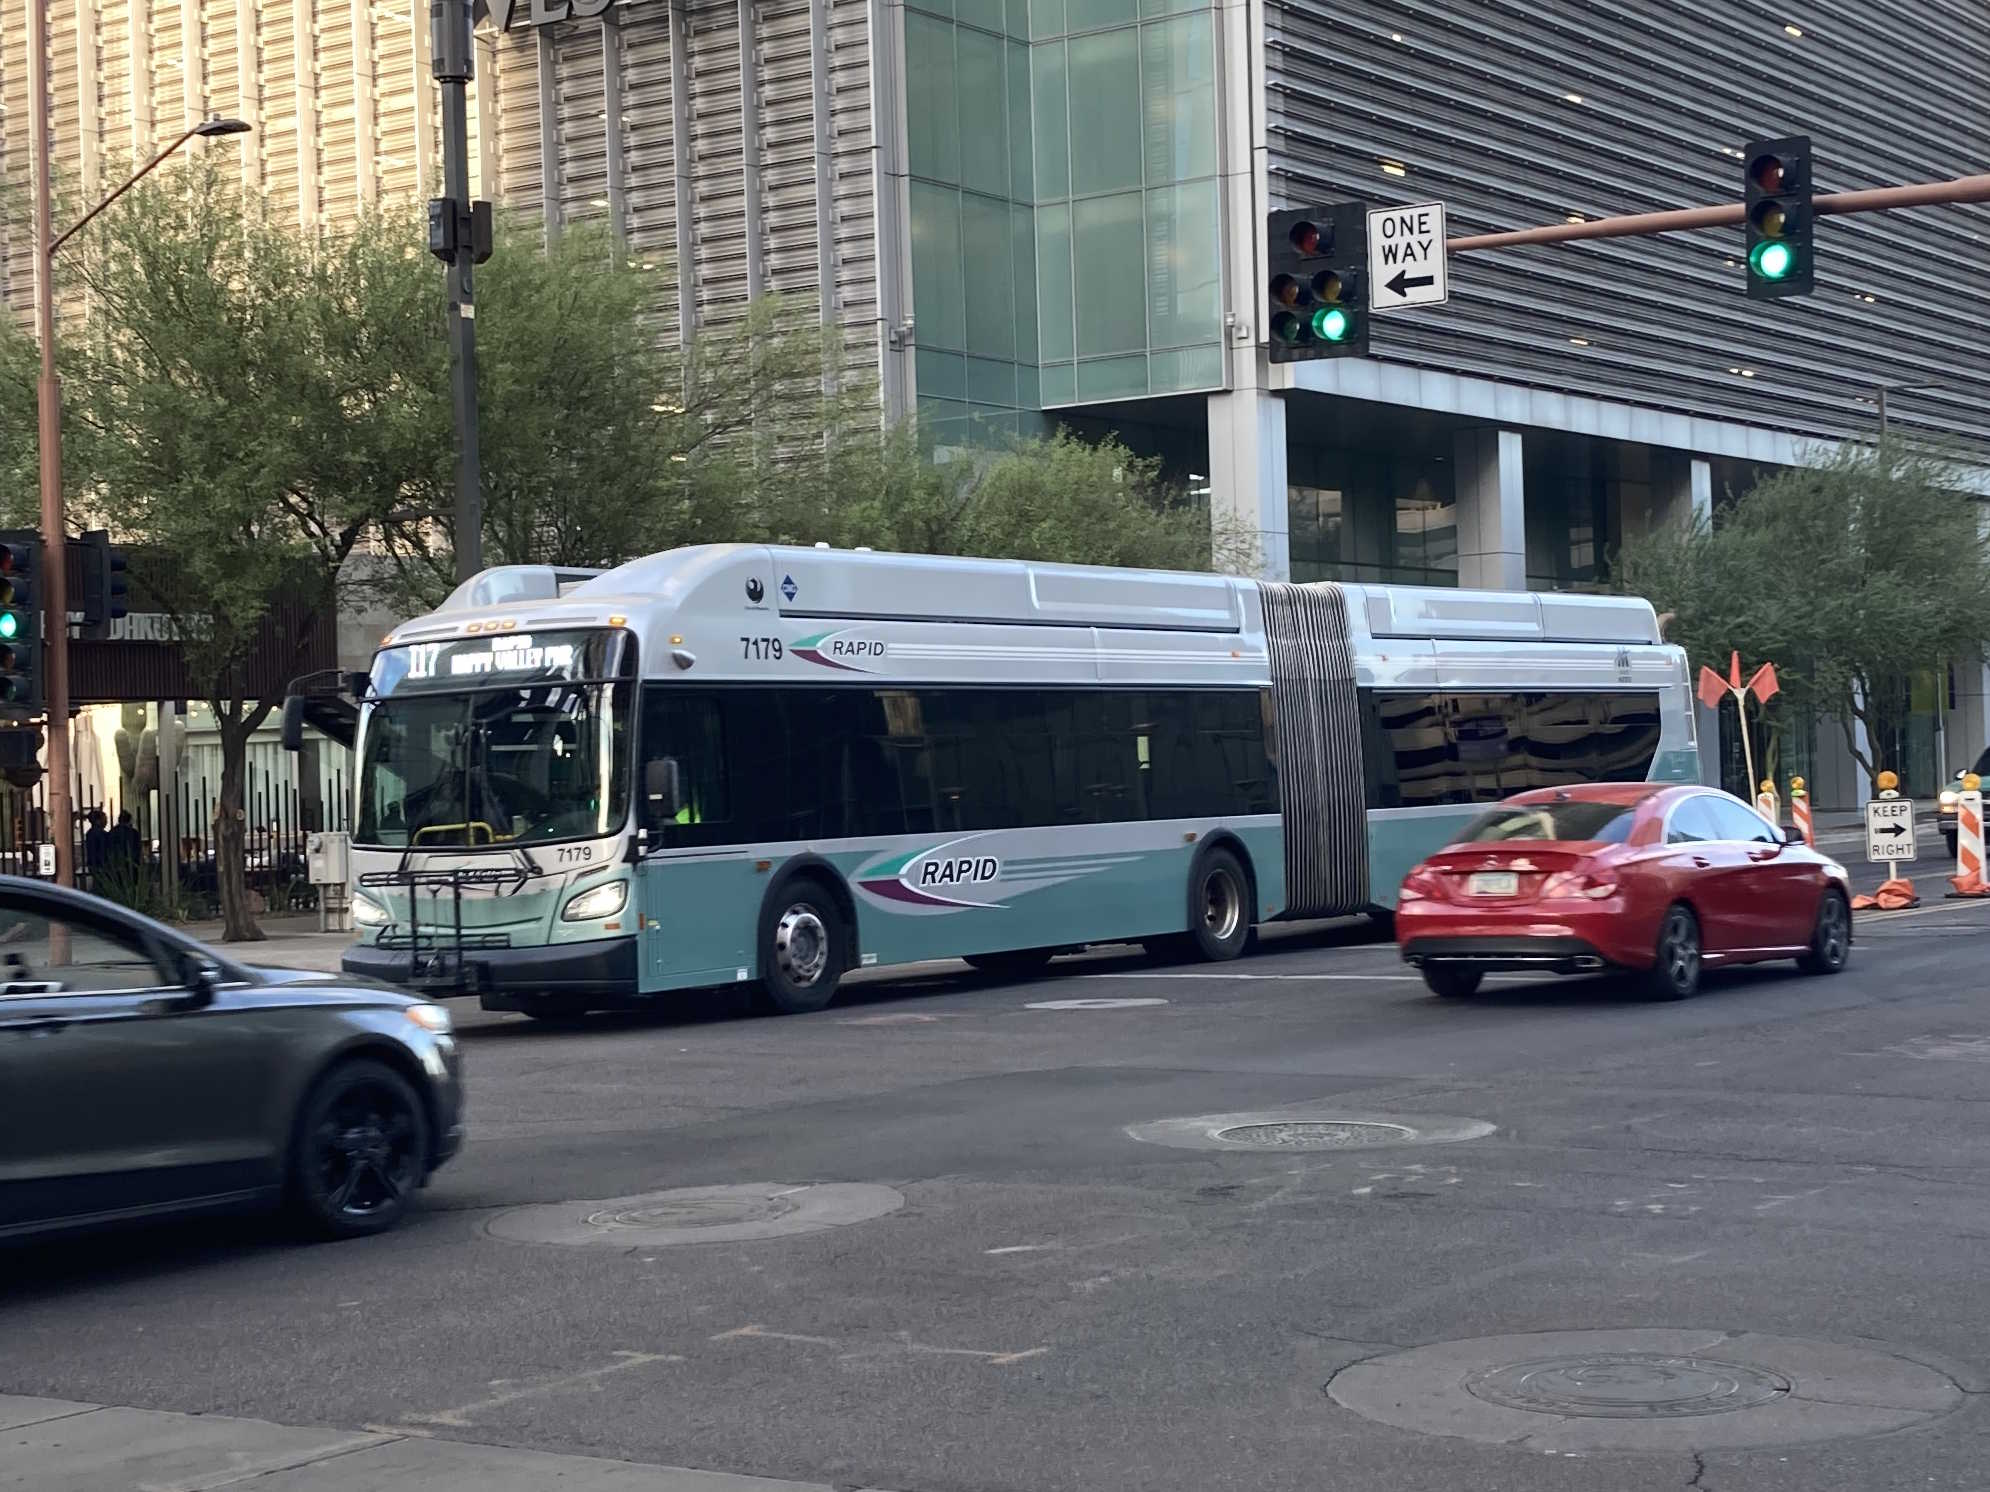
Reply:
x=360, y=1150
x=1676, y=973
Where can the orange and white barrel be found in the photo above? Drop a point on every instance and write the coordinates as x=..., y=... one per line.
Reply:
x=1766, y=800
x=1969, y=840
x=1800, y=812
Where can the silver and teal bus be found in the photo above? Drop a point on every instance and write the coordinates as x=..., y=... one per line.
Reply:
x=768, y=766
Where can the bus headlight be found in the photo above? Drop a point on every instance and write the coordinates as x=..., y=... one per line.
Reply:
x=600, y=901
x=366, y=912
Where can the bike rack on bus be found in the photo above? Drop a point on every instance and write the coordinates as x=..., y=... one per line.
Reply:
x=441, y=966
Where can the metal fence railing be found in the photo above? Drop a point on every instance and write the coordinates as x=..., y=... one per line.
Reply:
x=163, y=860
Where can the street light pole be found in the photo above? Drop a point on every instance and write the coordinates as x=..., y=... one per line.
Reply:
x=452, y=63
x=48, y=401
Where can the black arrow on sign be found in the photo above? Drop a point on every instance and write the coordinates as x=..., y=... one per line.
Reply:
x=1405, y=280
x=1896, y=830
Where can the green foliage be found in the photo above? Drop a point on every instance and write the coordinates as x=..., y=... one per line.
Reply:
x=20, y=478
x=1852, y=575
x=246, y=404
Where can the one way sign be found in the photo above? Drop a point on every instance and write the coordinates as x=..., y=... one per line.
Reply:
x=1406, y=257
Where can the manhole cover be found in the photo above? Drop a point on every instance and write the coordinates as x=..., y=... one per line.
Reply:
x=1627, y=1385
x=693, y=1211
x=1570, y=1392
x=700, y=1214
x=1308, y=1129
x=1320, y=1134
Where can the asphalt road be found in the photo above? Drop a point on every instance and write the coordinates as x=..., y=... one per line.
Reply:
x=1059, y=1305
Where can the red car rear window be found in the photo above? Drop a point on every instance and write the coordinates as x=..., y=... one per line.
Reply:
x=1571, y=822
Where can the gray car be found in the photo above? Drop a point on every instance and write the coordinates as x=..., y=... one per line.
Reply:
x=143, y=1074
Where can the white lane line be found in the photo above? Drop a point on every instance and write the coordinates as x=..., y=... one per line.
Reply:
x=458, y=1418
x=1352, y=978
x=1901, y=916
x=1123, y=1004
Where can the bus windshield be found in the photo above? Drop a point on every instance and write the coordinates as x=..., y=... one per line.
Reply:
x=443, y=765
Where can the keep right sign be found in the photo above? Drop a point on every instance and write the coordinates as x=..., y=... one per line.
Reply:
x=1890, y=830
x=1406, y=257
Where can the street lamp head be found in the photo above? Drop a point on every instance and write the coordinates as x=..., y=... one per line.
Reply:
x=208, y=128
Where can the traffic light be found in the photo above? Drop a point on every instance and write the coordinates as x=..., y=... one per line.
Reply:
x=20, y=756
x=20, y=620
x=105, y=595
x=1314, y=261
x=1776, y=192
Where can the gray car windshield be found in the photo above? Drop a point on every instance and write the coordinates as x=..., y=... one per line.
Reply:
x=545, y=760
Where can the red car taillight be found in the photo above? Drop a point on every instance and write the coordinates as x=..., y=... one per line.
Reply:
x=1595, y=885
x=1419, y=885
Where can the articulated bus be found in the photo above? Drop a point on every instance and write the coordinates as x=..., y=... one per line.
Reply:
x=770, y=766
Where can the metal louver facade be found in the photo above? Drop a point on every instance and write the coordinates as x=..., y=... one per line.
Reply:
x=728, y=141
x=1520, y=112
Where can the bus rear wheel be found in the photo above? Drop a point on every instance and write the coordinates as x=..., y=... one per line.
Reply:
x=802, y=950
x=1220, y=911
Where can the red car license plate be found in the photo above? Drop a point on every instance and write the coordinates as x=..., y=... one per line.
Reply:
x=1494, y=883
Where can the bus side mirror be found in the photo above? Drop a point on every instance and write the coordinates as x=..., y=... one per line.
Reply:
x=293, y=723
x=664, y=783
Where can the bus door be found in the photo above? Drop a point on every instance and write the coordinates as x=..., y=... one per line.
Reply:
x=698, y=896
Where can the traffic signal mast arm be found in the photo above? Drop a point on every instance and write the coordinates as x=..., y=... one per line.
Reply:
x=1634, y=225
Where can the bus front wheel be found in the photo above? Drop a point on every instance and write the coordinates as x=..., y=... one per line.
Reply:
x=1220, y=910
x=802, y=950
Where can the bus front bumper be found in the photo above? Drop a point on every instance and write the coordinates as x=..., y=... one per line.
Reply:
x=507, y=978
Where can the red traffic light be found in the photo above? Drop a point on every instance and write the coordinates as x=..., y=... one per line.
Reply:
x=1768, y=172
x=1309, y=238
x=6, y=559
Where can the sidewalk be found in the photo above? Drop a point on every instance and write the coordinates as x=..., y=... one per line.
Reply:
x=54, y=1445
x=292, y=942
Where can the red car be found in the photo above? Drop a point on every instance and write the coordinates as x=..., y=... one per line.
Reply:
x=1644, y=877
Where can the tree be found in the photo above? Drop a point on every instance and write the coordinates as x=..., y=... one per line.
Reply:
x=246, y=407
x=599, y=441
x=1852, y=574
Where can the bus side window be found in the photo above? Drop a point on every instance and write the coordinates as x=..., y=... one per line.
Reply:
x=686, y=726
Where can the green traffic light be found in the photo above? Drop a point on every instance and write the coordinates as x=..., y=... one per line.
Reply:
x=1772, y=260
x=10, y=625
x=1330, y=324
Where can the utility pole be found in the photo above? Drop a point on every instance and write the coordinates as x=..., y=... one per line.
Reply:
x=459, y=234
x=55, y=600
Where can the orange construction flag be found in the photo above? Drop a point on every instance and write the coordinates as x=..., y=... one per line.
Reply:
x=1764, y=683
x=1734, y=671
x=1713, y=689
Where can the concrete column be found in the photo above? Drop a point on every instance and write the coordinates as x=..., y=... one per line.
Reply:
x=1492, y=517
x=1685, y=497
x=1247, y=485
